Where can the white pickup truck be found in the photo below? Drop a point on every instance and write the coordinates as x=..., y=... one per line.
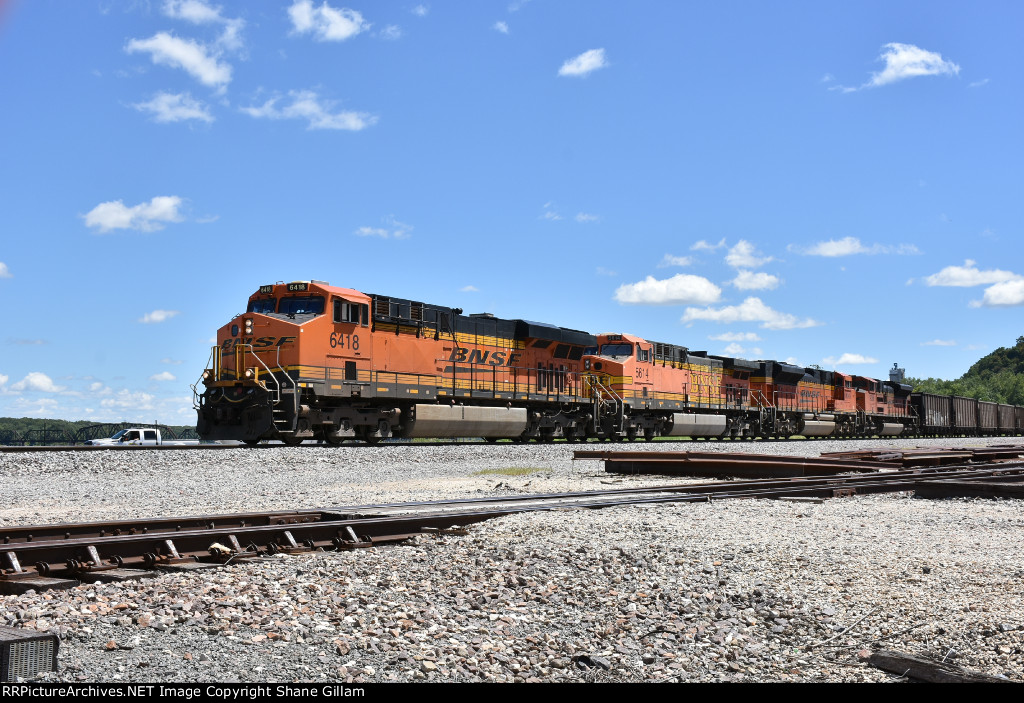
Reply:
x=135, y=436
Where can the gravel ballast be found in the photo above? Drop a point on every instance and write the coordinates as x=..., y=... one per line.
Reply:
x=753, y=590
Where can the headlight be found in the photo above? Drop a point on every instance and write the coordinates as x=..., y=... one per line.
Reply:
x=248, y=326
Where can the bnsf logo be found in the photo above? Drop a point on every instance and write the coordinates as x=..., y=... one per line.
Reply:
x=261, y=343
x=476, y=356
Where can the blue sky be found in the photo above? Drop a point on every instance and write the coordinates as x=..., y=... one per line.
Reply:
x=830, y=183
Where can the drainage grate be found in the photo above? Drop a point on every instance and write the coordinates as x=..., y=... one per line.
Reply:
x=25, y=654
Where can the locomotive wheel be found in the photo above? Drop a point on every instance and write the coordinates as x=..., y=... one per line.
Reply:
x=250, y=442
x=291, y=440
x=333, y=441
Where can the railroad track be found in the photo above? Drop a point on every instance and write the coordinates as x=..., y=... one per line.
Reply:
x=55, y=556
x=355, y=444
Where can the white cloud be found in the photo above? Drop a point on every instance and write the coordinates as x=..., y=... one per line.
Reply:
x=394, y=230
x=326, y=23
x=162, y=376
x=584, y=63
x=969, y=275
x=670, y=260
x=501, y=27
x=736, y=337
x=1005, y=294
x=3, y=379
x=175, y=107
x=739, y=351
x=744, y=255
x=706, y=246
x=904, y=61
x=157, y=316
x=144, y=217
x=847, y=359
x=848, y=246
x=978, y=84
x=469, y=289
x=127, y=400
x=199, y=12
x=750, y=310
x=748, y=280
x=391, y=32
x=680, y=289
x=4, y=271
x=420, y=10
x=193, y=57
x=586, y=217
x=549, y=213
x=36, y=381
x=602, y=271
x=307, y=105
x=939, y=343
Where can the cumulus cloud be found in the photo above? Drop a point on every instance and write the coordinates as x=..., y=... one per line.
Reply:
x=750, y=310
x=939, y=343
x=848, y=246
x=904, y=61
x=200, y=12
x=847, y=359
x=162, y=376
x=680, y=289
x=586, y=217
x=157, y=316
x=584, y=64
x=1005, y=294
x=707, y=246
x=4, y=271
x=174, y=107
x=144, y=217
x=670, y=260
x=745, y=255
x=736, y=337
x=307, y=105
x=469, y=289
x=326, y=23
x=128, y=400
x=501, y=27
x=969, y=275
x=748, y=280
x=394, y=230
x=740, y=351
x=420, y=10
x=392, y=32
x=193, y=57
x=36, y=381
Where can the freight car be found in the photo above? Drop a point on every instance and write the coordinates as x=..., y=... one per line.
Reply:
x=308, y=360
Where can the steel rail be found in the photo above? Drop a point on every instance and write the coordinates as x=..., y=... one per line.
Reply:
x=227, y=521
x=89, y=555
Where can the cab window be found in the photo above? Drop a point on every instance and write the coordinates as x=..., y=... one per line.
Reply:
x=263, y=306
x=302, y=305
x=348, y=312
x=616, y=350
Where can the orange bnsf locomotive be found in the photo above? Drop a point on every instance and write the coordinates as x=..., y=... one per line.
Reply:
x=310, y=361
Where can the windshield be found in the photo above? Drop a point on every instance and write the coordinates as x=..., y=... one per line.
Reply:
x=119, y=434
x=313, y=304
x=616, y=350
x=262, y=306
